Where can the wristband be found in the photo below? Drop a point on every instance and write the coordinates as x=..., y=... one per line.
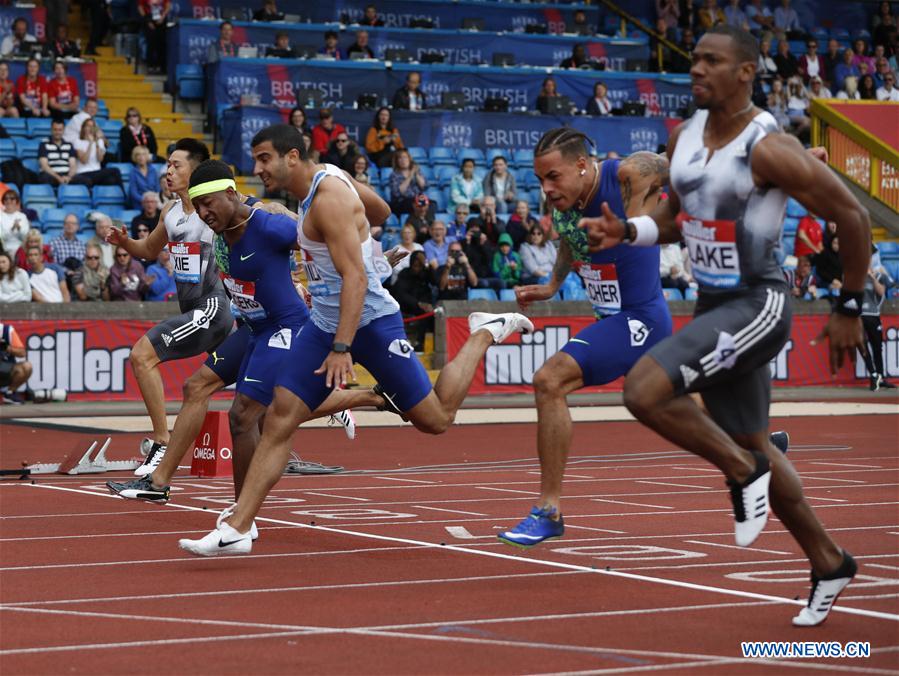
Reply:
x=340, y=348
x=849, y=303
x=646, y=231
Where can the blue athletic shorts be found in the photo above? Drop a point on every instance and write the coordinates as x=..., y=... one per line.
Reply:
x=267, y=351
x=380, y=346
x=225, y=360
x=608, y=349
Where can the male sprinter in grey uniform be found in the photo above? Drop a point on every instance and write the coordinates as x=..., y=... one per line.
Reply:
x=206, y=318
x=731, y=173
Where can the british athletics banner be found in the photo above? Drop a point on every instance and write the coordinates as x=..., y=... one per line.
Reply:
x=85, y=74
x=624, y=135
x=190, y=40
x=276, y=82
x=510, y=367
x=35, y=16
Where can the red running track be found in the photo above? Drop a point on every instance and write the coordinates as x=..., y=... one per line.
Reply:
x=401, y=571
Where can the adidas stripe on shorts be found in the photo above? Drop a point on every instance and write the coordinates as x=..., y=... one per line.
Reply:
x=194, y=332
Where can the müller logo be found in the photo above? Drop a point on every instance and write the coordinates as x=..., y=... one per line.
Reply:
x=60, y=360
x=517, y=364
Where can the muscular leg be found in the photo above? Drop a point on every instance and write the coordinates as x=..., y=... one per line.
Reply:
x=649, y=396
x=201, y=385
x=556, y=379
x=791, y=507
x=145, y=364
x=243, y=418
x=21, y=372
x=342, y=400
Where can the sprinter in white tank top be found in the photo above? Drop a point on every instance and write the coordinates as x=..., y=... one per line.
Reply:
x=734, y=232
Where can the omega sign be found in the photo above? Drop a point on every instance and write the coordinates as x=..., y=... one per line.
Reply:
x=205, y=450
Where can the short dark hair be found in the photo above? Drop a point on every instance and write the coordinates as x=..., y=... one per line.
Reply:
x=330, y=34
x=58, y=120
x=225, y=23
x=197, y=152
x=60, y=62
x=210, y=170
x=21, y=19
x=745, y=44
x=284, y=138
x=570, y=142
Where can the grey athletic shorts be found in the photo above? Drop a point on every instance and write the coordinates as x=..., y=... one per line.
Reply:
x=723, y=354
x=193, y=332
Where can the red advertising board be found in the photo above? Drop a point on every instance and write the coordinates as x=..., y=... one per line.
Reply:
x=510, y=367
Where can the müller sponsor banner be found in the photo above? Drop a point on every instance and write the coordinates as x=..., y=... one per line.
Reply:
x=510, y=367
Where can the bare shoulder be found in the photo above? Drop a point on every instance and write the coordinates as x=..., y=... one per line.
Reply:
x=644, y=164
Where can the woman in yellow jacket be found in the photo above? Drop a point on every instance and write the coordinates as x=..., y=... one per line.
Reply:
x=383, y=138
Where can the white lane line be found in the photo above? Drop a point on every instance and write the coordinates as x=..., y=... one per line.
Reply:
x=754, y=549
x=684, y=566
x=632, y=504
x=845, y=464
x=808, y=475
x=668, y=483
x=595, y=530
x=451, y=511
x=816, y=497
x=338, y=497
x=505, y=490
x=396, y=478
x=520, y=559
x=883, y=565
x=568, y=476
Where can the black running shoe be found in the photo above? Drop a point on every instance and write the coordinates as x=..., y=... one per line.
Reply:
x=139, y=489
x=825, y=591
x=389, y=404
x=781, y=440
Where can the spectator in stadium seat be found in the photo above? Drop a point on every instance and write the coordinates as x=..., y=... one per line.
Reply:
x=809, y=237
x=735, y=16
x=828, y=267
x=410, y=96
x=882, y=67
x=761, y=20
x=436, y=248
x=62, y=47
x=506, y=263
x=127, y=278
x=777, y=104
x=459, y=225
x=669, y=12
x=360, y=46
x=767, y=67
x=487, y=220
x=817, y=90
x=867, y=90
x=421, y=218
x=797, y=107
x=154, y=16
x=298, y=120
x=341, y=152
x=360, y=169
x=786, y=21
x=14, y=224
x=465, y=188
x=538, y=257
x=31, y=90
x=62, y=92
x=547, y=91
x=850, y=89
x=383, y=138
x=34, y=238
x=681, y=64
x=577, y=59
x=710, y=15
x=888, y=92
x=330, y=48
x=90, y=150
x=46, y=285
x=269, y=12
x=599, y=104
x=407, y=243
x=325, y=131
x=19, y=41
x=831, y=59
x=149, y=214
x=579, y=24
x=803, y=280
x=371, y=18
x=14, y=284
x=67, y=245
x=415, y=294
x=8, y=106
x=810, y=63
x=224, y=46
x=861, y=55
x=519, y=229
x=846, y=68
x=90, y=281
x=523, y=221
x=281, y=49
x=456, y=276
x=56, y=157
x=161, y=278
x=500, y=183
x=406, y=182
x=166, y=195
x=102, y=227
x=72, y=131
x=480, y=256
x=673, y=267
x=144, y=176
x=787, y=65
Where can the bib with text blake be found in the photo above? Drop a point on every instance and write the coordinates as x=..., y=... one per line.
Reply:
x=243, y=297
x=713, y=251
x=186, y=259
x=601, y=282
x=316, y=286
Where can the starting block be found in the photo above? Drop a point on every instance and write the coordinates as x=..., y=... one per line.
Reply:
x=87, y=462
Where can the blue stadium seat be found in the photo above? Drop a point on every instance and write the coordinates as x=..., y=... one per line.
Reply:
x=888, y=249
x=114, y=211
x=38, y=127
x=480, y=173
x=534, y=198
x=442, y=155
x=125, y=169
x=389, y=240
x=190, y=80
x=418, y=154
x=374, y=174
x=108, y=195
x=524, y=158
x=892, y=267
x=110, y=128
x=444, y=174
x=51, y=232
x=28, y=148
x=38, y=196
x=790, y=225
x=385, y=176
x=820, y=34
x=482, y=294
x=7, y=149
x=53, y=218
x=392, y=222
x=112, y=146
x=32, y=164
x=794, y=209
x=74, y=195
x=507, y=294
x=443, y=216
x=128, y=215
x=788, y=244
x=437, y=198
x=475, y=154
x=691, y=294
x=574, y=293
x=672, y=294
x=15, y=126
x=426, y=172
x=498, y=152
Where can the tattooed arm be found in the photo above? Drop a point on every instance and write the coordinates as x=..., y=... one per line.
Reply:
x=642, y=177
x=525, y=295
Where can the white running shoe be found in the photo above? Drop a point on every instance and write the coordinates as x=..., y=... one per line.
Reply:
x=254, y=532
x=500, y=326
x=750, y=501
x=824, y=593
x=348, y=420
x=154, y=452
x=223, y=541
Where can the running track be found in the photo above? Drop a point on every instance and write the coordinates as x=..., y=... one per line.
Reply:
x=396, y=569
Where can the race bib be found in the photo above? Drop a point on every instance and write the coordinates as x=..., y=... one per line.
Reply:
x=601, y=282
x=186, y=259
x=713, y=251
x=243, y=297
x=316, y=285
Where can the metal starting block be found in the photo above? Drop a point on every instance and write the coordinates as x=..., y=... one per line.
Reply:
x=86, y=463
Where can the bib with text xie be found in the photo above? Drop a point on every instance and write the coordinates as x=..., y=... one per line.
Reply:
x=243, y=297
x=186, y=259
x=713, y=251
x=601, y=282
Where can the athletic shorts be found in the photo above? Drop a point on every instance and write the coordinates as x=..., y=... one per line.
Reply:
x=196, y=331
x=266, y=351
x=380, y=346
x=6, y=369
x=724, y=353
x=225, y=360
x=608, y=349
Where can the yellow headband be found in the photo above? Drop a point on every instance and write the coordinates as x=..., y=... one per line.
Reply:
x=211, y=186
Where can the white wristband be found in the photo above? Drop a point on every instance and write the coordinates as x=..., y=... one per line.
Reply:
x=647, y=231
